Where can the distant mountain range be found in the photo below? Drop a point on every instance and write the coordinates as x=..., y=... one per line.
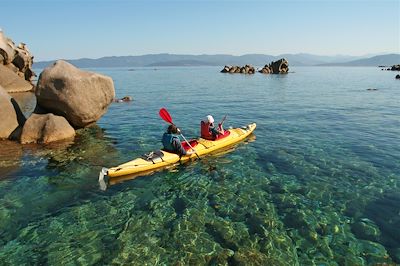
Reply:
x=258, y=60
x=379, y=60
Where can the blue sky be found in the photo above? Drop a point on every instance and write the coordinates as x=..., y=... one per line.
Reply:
x=55, y=29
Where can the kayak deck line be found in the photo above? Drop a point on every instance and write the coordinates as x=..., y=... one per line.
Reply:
x=159, y=159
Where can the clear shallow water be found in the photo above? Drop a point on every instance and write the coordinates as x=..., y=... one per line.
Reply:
x=318, y=183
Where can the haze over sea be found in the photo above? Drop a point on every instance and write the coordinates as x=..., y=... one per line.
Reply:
x=318, y=182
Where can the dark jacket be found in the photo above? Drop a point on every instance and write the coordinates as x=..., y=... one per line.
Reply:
x=172, y=143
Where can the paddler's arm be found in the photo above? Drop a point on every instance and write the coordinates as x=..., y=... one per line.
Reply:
x=179, y=148
x=221, y=129
x=216, y=131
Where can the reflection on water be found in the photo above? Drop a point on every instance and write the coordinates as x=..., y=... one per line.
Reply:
x=320, y=185
x=10, y=158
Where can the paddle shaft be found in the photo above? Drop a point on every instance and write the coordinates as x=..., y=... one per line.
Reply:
x=190, y=145
x=222, y=121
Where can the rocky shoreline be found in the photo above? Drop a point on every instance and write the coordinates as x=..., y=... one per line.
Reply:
x=67, y=98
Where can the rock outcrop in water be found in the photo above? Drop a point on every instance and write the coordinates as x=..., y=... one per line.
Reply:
x=265, y=70
x=395, y=68
x=45, y=128
x=247, y=69
x=278, y=67
x=124, y=99
x=15, y=66
x=11, y=116
x=76, y=97
x=82, y=97
x=397, y=76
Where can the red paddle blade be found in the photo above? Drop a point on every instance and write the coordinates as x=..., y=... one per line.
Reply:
x=165, y=115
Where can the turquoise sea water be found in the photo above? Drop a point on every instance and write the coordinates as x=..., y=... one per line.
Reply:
x=317, y=184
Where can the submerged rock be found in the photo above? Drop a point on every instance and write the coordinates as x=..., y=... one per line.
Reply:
x=396, y=255
x=251, y=256
x=10, y=158
x=366, y=229
x=82, y=97
x=45, y=128
x=374, y=252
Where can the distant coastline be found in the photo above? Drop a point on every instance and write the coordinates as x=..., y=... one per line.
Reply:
x=155, y=60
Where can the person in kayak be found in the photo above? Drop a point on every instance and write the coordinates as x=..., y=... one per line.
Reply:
x=208, y=129
x=171, y=142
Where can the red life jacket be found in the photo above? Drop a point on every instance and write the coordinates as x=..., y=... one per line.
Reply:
x=205, y=131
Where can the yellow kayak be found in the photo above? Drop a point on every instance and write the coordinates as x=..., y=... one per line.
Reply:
x=162, y=159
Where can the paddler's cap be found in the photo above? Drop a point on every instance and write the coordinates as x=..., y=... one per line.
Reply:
x=209, y=119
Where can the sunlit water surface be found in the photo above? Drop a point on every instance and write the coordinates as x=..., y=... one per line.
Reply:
x=317, y=184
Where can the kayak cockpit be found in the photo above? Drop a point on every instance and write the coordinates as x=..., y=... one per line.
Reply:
x=192, y=142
